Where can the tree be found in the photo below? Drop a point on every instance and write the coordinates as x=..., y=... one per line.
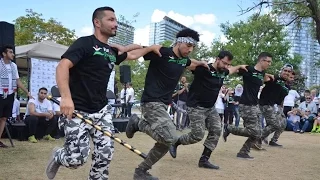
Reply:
x=296, y=11
x=247, y=39
x=32, y=28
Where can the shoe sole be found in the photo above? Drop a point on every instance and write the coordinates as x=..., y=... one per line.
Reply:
x=131, y=121
x=50, y=160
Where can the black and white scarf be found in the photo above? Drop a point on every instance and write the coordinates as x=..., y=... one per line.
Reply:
x=4, y=78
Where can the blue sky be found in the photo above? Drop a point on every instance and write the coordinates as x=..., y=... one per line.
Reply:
x=204, y=17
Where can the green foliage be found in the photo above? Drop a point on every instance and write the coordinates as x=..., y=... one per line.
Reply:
x=247, y=39
x=166, y=43
x=24, y=80
x=32, y=28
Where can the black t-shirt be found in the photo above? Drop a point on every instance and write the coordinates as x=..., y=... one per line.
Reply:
x=88, y=80
x=284, y=92
x=230, y=102
x=273, y=92
x=205, y=87
x=252, y=80
x=163, y=75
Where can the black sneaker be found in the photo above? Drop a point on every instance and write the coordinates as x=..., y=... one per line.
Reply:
x=173, y=150
x=225, y=133
x=3, y=145
x=140, y=174
x=244, y=156
x=132, y=126
x=274, y=144
x=206, y=164
x=258, y=147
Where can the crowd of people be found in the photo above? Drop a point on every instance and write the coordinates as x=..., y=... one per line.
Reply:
x=82, y=77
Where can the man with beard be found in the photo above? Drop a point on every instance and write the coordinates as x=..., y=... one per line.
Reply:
x=249, y=110
x=273, y=93
x=89, y=62
x=161, y=79
x=202, y=96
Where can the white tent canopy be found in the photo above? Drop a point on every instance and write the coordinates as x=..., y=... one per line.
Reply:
x=44, y=50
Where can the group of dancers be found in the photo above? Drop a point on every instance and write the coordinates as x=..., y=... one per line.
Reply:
x=83, y=74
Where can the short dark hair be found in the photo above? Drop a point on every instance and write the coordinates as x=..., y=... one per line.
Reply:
x=43, y=88
x=98, y=13
x=223, y=54
x=187, y=32
x=264, y=55
x=4, y=49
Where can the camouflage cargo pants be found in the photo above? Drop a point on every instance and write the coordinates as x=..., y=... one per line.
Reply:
x=283, y=124
x=200, y=118
x=77, y=144
x=157, y=123
x=252, y=126
x=272, y=120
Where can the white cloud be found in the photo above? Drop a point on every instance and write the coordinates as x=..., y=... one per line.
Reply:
x=141, y=36
x=85, y=31
x=223, y=39
x=204, y=19
x=206, y=37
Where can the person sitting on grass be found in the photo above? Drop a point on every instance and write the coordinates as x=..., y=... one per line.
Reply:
x=39, y=111
x=316, y=124
x=294, y=119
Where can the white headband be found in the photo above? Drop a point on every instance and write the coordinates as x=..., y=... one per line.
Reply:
x=188, y=40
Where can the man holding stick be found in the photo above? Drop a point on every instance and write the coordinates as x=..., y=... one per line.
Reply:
x=82, y=77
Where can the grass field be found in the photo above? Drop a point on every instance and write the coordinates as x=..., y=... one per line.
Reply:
x=297, y=160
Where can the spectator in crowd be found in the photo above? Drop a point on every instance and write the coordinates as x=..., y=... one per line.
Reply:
x=306, y=93
x=130, y=99
x=237, y=95
x=229, y=108
x=290, y=99
x=123, y=95
x=219, y=103
x=316, y=124
x=38, y=111
x=181, y=97
x=57, y=113
x=314, y=97
x=9, y=82
x=294, y=119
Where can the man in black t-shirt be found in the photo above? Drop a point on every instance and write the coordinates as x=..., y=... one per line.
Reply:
x=181, y=95
x=202, y=96
x=161, y=79
x=82, y=78
x=248, y=105
x=273, y=93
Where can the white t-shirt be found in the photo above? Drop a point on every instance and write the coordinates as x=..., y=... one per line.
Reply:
x=290, y=98
x=9, y=70
x=16, y=108
x=129, y=91
x=219, y=102
x=40, y=107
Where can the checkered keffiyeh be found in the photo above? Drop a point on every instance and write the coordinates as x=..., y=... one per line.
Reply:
x=188, y=40
x=4, y=78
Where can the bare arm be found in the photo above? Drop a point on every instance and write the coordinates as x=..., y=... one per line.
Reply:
x=21, y=86
x=136, y=54
x=235, y=69
x=62, y=77
x=127, y=48
x=195, y=63
x=32, y=110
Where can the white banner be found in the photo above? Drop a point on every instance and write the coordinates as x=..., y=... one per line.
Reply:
x=43, y=74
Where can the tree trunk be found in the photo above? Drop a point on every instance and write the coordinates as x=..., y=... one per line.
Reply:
x=314, y=7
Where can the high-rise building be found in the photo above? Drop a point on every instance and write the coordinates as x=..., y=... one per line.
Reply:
x=164, y=30
x=125, y=35
x=304, y=44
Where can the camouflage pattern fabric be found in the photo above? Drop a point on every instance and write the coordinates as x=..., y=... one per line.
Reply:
x=252, y=126
x=77, y=144
x=157, y=123
x=200, y=118
x=272, y=120
x=283, y=124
